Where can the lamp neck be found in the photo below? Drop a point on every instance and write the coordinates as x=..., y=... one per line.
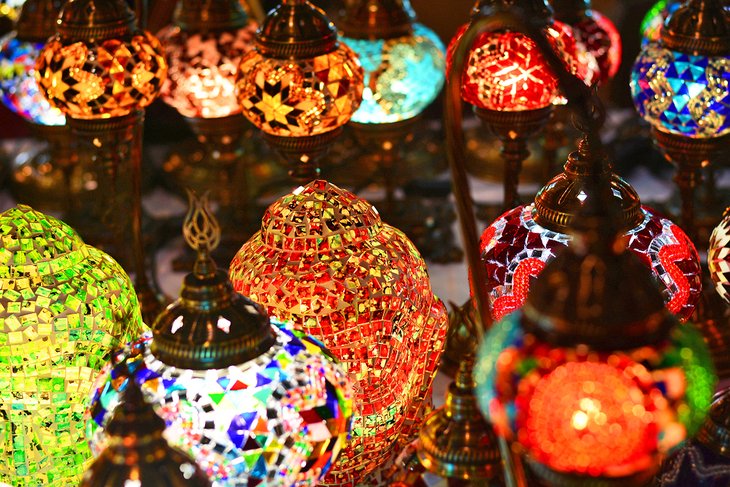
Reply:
x=210, y=15
x=37, y=20
x=296, y=29
x=699, y=27
x=378, y=19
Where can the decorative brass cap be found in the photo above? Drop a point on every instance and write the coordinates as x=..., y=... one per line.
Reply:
x=37, y=20
x=210, y=15
x=699, y=27
x=715, y=432
x=138, y=452
x=558, y=202
x=534, y=10
x=596, y=292
x=570, y=11
x=456, y=441
x=296, y=29
x=96, y=20
x=210, y=326
x=378, y=19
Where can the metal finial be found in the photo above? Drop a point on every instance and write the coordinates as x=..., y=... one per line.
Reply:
x=201, y=229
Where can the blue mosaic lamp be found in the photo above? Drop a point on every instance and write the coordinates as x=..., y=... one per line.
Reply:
x=680, y=86
x=252, y=401
x=404, y=61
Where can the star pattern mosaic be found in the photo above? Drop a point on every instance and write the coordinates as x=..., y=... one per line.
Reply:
x=64, y=306
x=682, y=94
x=108, y=79
x=18, y=86
x=515, y=249
x=718, y=257
x=325, y=260
x=505, y=70
x=277, y=420
x=402, y=75
x=201, y=80
x=303, y=98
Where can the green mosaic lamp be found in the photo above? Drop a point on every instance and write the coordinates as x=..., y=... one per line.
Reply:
x=64, y=306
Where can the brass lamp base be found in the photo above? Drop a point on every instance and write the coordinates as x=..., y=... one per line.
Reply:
x=302, y=154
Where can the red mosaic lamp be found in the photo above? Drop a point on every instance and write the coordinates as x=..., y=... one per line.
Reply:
x=299, y=85
x=324, y=260
x=509, y=83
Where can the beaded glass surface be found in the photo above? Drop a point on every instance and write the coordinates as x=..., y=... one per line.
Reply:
x=278, y=420
x=515, y=249
x=201, y=80
x=594, y=413
x=718, y=257
x=505, y=70
x=681, y=93
x=18, y=86
x=303, y=98
x=602, y=40
x=112, y=78
x=325, y=260
x=64, y=306
x=402, y=75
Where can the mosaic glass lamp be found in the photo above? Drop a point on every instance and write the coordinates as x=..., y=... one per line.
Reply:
x=516, y=247
x=704, y=460
x=718, y=257
x=138, y=454
x=651, y=24
x=594, y=378
x=102, y=71
x=510, y=84
x=679, y=85
x=403, y=61
x=254, y=402
x=64, y=306
x=597, y=34
x=326, y=261
x=300, y=85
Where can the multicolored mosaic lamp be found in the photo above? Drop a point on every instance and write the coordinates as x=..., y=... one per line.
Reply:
x=718, y=257
x=102, y=71
x=595, y=32
x=326, y=261
x=705, y=459
x=41, y=178
x=509, y=83
x=517, y=246
x=254, y=402
x=299, y=85
x=651, y=24
x=679, y=86
x=138, y=454
x=64, y=307
x=594, y=378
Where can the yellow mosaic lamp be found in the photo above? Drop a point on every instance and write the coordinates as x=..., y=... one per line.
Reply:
x=64, y=306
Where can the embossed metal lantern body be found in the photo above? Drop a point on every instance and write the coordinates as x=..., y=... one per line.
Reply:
x=516, y=247
x=718, y=257
x=403, y=75
x=64, y=306
x=581, y=411
x=325, y=260
x=682, y=93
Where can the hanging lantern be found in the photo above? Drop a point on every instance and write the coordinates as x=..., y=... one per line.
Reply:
x=517, y=246
x=64, y=306
x=594, y=379
x=403, y=61
x=702, y=460
x=253, y=401
x=325, y=260
x=137, y=454
x=718, y=257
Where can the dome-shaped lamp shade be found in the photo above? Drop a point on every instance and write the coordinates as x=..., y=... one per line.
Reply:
x=682, y=94
x=325, y=260
x=515, y=249
x=201, y=81
x=403, y=75
x=506, y=72
x=599, y=414
x=602, y=40
x=64, y=306
x=718, y=257
x=18, y=86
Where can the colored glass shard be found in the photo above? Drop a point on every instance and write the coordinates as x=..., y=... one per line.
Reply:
x=718, y=257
